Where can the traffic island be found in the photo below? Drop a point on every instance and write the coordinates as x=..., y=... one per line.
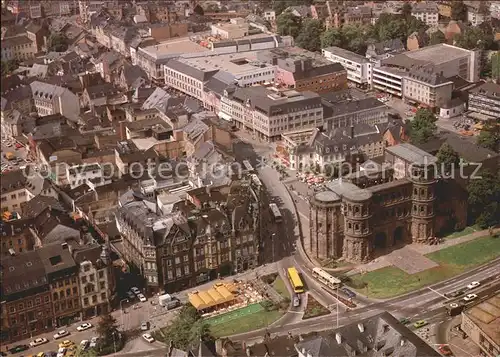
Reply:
x=390, y=281
x=314, y=309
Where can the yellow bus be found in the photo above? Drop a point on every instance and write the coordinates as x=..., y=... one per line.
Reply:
x=295, y=280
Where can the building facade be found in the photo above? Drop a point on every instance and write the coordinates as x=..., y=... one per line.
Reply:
x=269, y=113
x=62, y=275
x=359, y=217
x=95, y=280
x=479, y=324
x=485, y=100
x=18, y=48
x=207, y=235
x=427, y=12
x=51, y=99
x=359, y=68
x=427, y=87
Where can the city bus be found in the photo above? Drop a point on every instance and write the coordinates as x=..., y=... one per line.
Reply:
x=275, y=211
x=295, y=280
x=326, y=279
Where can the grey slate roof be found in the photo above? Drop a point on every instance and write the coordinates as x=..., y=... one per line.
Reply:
x=332, y=110
x=427, y=75
x=349, y=55
x=488, y=89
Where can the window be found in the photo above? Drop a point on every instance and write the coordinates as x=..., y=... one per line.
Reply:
x=68, y=292
x=85, y=301
x=94, y=299
x=103, y=296
x=75, y=290
x=101, y=274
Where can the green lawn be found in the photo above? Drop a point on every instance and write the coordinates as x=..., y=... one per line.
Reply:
x=280, y=286
x=251, y=318
x=463, y=232
x=391, y=281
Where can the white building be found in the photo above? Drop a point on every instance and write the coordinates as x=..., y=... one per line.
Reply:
x=359, y=68
x=270, y=15
x=90, y=174
x=268, y=113
x=51, y=99
x=389, y=80
x=236, y=28
x=474, y=14
x=444, y=59
x=427, y=87
x=427, y=12
x=96, y=279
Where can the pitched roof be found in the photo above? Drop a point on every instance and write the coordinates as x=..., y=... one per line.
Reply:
x=39, y=204
x=179, y=66
x=22, y=272
x=13, y=181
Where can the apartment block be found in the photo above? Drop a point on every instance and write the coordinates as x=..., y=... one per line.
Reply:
x=359, y=68
x=51, y=99
x=427, y=12
x=18, y=48
x=269, y=112
x=424, y=86
x=485, y=100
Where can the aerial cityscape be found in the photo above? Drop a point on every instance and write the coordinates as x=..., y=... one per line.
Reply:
x=250, y=178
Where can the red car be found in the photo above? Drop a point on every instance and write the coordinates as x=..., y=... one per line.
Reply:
x=445, y=350
x=18, y=146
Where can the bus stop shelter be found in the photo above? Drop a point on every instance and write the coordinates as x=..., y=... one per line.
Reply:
x=208, y=300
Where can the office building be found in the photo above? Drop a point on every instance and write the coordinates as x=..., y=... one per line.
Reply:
x=484, y=101
x=359, y=68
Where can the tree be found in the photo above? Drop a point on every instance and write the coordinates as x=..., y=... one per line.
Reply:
x=389, y=27
x=9, y=66
x=483, y=8
x=489, y=138
x=57, y=42
x=458, y=10
x=187, y=328
x=288, y=24
x=423, y=126
x=279, y=7
x=415, y=25
x=437, y=37
x=198, y=10
x=406, y=10
x=447, y=158
x=484, y=195
x=107, y=329
x=332, y=37
x=310, y=35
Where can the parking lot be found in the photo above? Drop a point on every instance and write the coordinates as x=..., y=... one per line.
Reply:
x=13, y=155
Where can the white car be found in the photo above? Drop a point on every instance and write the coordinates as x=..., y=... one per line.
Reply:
x=38, y=342
x=135, y=290
x=61, y=334
x=148, y=337
x=84, y=326
x=93, y=342
x=142, y=298
x=469, y=297
x=473, y=285
x=84, y=344
x=61, y=352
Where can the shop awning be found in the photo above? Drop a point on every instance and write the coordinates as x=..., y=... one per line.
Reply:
x=225, y=116
x=217, y=295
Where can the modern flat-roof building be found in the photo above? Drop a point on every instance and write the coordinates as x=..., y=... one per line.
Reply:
x=444, y=60
x=269, y=112
x=359, y=68
x=482, y=324
x=485, y=100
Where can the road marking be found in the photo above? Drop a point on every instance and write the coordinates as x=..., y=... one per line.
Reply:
x=431, y=289
x=304, y=216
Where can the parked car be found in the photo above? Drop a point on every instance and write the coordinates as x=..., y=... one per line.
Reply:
x=145, y=326
x=470, y=297
x=84, y=326
x=445, y=350
x=61, y=334
x=148, y=337
x=61, y=352
x=38, y=341
x=142, y=298
x=296, y=301
x=93, y=342
x=19, y=348
x=404, y=320
x=130, y=295
x=135, y=290
x=84, y=344
x=351, y=294
x=473, y=285
x=420, y=323
x=66, y=344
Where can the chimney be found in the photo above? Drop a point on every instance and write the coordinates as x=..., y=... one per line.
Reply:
x=64, y=245
x=303, y=352
x=248, y=352
x=338, y=337
x=361, y=328
x=352, y=131
x=402, y=342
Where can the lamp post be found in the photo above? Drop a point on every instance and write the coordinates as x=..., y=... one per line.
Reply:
x=272, y=246
x=121, y=308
